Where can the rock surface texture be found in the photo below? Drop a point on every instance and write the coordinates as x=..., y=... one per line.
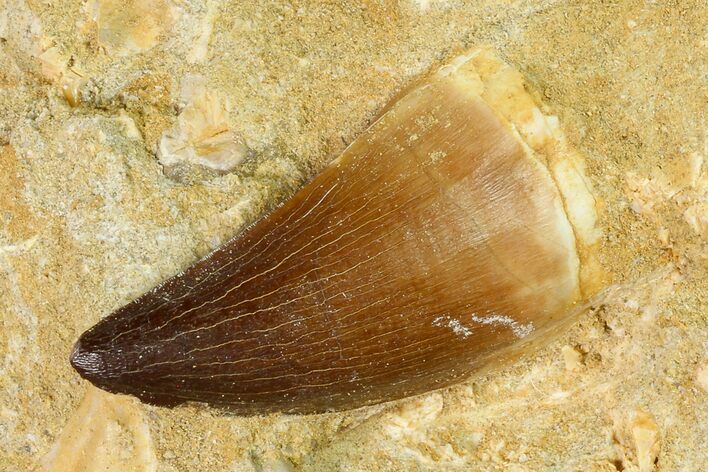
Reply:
x=135, y=137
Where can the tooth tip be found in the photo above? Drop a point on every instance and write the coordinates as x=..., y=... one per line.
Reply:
x=82, y=360
x=88, y=361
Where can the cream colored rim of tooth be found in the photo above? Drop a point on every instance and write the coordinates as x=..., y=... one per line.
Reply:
x=503, y=89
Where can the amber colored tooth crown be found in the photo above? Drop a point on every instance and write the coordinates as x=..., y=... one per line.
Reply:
x=454, y=233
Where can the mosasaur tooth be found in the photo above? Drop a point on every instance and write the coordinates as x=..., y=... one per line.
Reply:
x=455, y=233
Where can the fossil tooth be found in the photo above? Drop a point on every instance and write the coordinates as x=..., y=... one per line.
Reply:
x=452, y=235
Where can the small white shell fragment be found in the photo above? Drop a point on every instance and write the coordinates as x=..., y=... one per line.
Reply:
x=639, y=441
x=412, y=417
x=702, y=377
x=200, y=49
x=697, y=218
x=54, y=67
x=129, y=126
x=646, y=440
x=572, y=358
x=52, y=63
x=203, y=134
x=127, y=27
x=102, y=420
x=279, y=465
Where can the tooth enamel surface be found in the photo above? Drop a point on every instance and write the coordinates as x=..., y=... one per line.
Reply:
x=439, y=243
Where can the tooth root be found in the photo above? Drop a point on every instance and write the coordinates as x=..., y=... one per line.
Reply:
x=444, y=240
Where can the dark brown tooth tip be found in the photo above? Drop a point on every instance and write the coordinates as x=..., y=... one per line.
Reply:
x=93, y=362
x=86, y=362
x=454, y=234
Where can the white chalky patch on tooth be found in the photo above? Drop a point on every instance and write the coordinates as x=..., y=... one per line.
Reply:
x=520, y=330
x=455, y=325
